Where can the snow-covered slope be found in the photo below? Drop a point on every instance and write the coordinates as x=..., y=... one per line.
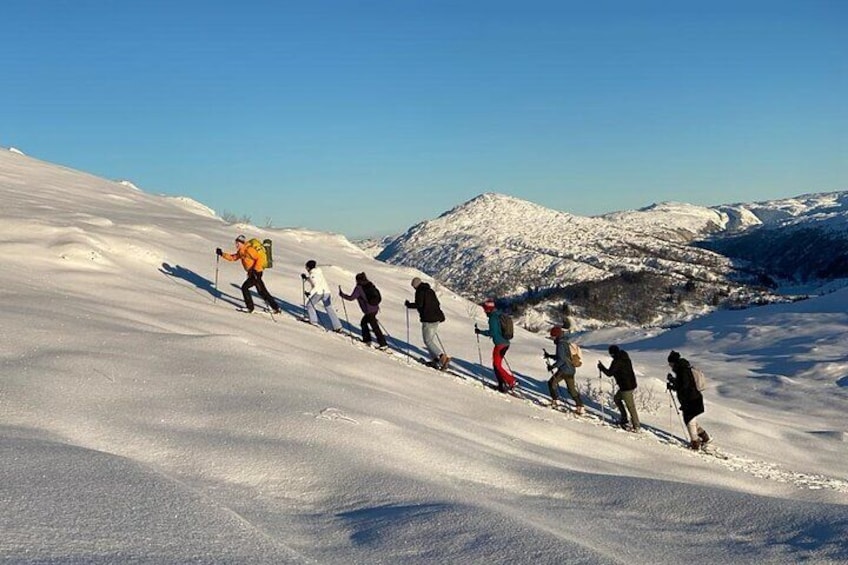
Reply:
x=144, y=420
x=686, y=222
x=678, y=221
x=497, y=240
x=791, y=240
x=507, y=247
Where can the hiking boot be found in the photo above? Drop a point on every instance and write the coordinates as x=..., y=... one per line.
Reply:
x=554, y=403
x=695, y=444
x=382, y=347
x=338, y=330
x=579, y=410
x=705, y=437
x=623, y=424
x=444, y=360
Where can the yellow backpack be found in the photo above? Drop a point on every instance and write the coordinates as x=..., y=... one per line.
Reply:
x=260, y=249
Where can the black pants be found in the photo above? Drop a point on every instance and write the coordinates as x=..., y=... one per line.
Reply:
x=371, y=320
x=255, y=279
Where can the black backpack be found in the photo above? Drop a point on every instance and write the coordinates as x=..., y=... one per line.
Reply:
x=372, y=294
x=507, y=328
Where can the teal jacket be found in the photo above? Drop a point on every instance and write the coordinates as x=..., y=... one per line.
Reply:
x=494, y=330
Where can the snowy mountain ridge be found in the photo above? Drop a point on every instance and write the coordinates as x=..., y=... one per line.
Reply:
x=513, y=234
x=689, y=221
x=507, y=247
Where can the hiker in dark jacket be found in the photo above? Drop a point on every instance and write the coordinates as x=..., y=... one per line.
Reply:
x=506, y=380
x=690, y=398
x=431, y=315
x=622, y=370
x=564, y=370
x=360, y=294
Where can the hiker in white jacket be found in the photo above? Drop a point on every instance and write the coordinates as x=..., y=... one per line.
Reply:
x=319, y=291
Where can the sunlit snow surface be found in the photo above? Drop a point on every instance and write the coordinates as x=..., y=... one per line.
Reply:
x=145, y=420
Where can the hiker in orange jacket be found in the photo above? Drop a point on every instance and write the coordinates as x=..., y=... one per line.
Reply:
x=250, y=261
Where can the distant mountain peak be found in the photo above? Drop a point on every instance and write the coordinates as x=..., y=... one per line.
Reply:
x=499, y=245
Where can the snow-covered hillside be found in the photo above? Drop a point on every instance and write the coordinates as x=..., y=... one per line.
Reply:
x=144, y=420
x=500, y=240
x=534, y=256
x=686, y=222
x=507, y=247
x=792, y=240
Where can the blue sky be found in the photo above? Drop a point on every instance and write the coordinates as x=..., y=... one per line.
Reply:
x=364, y=117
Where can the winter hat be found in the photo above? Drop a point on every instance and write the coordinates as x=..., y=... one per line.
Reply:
x=614, y=350
x=488, y=305
x=673, y=357
x=241, y=239
x=556, y=332
x=361, y=278
x=310, y=265
x=415, y=282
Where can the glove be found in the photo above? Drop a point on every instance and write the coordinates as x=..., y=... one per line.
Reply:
x=477, y=330
x=218, y=252
x=408, y=303
x=306, y=294
x=601, y=366
x=669, y=385
x=303, y=276
x=550, y=367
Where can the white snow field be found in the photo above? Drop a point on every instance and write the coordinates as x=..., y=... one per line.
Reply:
x=142, y=420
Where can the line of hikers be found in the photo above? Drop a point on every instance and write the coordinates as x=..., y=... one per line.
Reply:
x=564, y=361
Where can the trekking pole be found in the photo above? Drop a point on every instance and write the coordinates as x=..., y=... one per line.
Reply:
x=479, y=351
x=303, y=294
x=601, y=394
x=217, y=261
x=386, y=333
x=669, y=411
x=442, y=345
x=344, y=306
x=408, y=353
x=685, y=429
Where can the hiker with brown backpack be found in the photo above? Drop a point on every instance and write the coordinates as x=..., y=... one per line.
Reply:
x=566, y=360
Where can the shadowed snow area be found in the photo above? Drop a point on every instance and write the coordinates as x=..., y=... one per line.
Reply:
x=145, y=420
